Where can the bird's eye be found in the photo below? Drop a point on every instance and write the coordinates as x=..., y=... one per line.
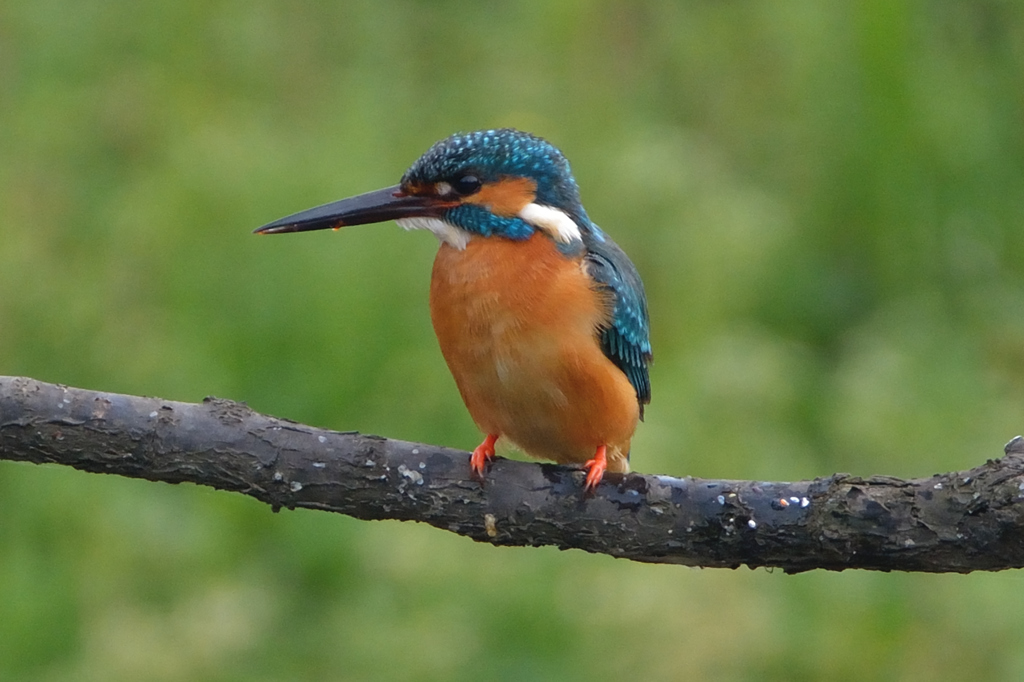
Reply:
x=467, y=184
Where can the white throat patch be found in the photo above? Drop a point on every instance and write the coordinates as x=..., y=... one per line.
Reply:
x=450, y=234
x=555, y=222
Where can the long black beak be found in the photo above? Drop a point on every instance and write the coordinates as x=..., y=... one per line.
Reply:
x=389, y=203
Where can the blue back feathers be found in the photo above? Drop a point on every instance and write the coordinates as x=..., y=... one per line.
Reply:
x=491, y=155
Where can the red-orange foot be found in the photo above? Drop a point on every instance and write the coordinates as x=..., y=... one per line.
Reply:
x=596, y=468
x=483, y=453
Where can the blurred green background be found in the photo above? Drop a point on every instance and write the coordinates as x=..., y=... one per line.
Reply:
x=825, y=201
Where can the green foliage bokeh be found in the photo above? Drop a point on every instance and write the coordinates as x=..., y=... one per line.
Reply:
x=826, y=202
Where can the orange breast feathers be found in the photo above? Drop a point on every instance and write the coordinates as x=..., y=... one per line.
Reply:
x=517, y=323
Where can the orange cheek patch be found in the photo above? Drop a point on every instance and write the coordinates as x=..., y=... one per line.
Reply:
x=505, y=197
x=418, y=188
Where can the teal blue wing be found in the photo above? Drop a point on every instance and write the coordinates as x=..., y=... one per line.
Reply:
x=626, y=340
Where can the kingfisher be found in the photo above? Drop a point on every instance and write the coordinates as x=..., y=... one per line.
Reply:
x=541, y=317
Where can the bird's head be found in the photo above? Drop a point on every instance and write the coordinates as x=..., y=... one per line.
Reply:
x=490, y=183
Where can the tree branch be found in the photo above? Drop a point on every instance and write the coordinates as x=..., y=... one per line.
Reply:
x=955, y=522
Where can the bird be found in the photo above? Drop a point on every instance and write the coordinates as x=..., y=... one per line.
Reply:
x=541, y=318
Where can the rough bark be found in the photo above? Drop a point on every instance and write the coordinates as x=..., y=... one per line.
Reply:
x=954, y=522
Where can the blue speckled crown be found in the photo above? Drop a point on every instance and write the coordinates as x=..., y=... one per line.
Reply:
x=506, y=152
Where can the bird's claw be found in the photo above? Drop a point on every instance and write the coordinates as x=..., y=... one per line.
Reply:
x=481, y=455
x=595, y=469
